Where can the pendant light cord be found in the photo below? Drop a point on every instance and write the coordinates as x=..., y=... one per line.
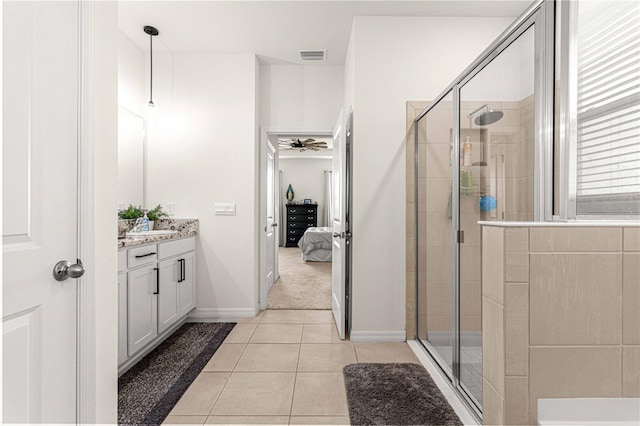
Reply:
x=151, y=68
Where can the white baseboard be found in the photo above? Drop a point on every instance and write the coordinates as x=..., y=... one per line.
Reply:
x=378, y=336
x=221, y=314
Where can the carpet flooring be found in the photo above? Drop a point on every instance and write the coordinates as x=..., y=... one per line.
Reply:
x=151, y=388
x=395, y=394
x=302, y=285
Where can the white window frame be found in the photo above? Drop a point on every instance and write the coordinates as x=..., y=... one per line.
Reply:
x=567, y=65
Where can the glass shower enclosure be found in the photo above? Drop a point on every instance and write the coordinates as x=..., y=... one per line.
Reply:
x=475, y=161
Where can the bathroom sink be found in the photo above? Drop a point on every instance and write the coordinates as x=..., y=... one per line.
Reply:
x=154, y=233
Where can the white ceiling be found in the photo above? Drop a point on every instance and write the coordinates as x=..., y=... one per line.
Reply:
x=277, y=30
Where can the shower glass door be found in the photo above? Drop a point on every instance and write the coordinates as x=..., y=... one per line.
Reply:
x=475, y=151
x=496, y=178
x=435, y=230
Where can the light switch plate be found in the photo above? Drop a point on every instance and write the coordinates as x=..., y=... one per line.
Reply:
x=225, y=209
x=170, y=208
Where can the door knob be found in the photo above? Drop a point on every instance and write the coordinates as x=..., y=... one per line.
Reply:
x=64, y=269
x=336, y=235
x=274, y=225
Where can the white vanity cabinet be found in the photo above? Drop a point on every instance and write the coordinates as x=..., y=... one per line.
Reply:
x=177, y=286
x=156, y=291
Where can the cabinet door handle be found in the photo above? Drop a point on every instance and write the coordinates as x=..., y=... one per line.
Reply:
x=157, y=280
x=145, y=255
x=184, y=269
x=180, y=268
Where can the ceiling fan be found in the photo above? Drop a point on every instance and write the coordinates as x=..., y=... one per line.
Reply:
x=296, y=143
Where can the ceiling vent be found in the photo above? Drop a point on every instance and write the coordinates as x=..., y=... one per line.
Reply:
x=313, y=55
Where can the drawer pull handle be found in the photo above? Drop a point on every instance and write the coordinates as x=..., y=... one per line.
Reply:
x=145, y=255
x=310, y=217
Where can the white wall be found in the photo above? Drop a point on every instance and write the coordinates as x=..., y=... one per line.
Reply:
x=131, y=96
x=393, y=60
x=300, y=96
x=306, y=177
x=202, y=150
x=105, y=145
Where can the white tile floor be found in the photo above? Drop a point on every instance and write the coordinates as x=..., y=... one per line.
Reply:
x=282, y=367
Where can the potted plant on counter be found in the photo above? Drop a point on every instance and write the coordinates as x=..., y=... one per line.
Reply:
x=155, y=214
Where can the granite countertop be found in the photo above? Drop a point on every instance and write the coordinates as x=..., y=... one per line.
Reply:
x=185, y=228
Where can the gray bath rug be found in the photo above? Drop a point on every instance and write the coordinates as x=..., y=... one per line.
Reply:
x=395, y=394
x=150, y=390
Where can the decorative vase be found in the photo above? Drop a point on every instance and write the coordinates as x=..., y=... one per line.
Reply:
x=290, y=193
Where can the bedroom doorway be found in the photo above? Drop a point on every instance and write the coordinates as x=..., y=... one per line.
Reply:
x=298, y=276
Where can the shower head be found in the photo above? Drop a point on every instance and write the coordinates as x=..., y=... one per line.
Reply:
x=488, y=116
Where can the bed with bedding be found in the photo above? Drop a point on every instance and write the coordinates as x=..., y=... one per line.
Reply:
x=316, y=244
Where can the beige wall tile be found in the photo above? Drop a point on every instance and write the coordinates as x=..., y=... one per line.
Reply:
x=436, y=194
x=410, y=216
x=438, y=298
x=631, y=299
x=438, y=263
x=516, y=267
x=575, y=239
x=590, y=371
x=492, y=406
x=517, y=240
x=438, y=230
x=631, y=371
x=576, y=299
x=632, y=239
x=493, y=344
x=437, y=160
x=517, y=254
x=516, y=401
x=493, y=263
x=411, y=254
x=517, y=330
x=470, y=298
x=470, y=263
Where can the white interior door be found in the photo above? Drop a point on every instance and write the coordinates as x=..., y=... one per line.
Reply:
x=272, y=221
x=40, y=44
x=339, y=223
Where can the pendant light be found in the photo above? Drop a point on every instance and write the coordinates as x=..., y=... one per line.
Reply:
x=152, y=31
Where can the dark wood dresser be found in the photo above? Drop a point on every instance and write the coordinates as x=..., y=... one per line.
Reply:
x=299, y=218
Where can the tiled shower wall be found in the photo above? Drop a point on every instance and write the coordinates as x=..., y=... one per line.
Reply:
x=561, y=317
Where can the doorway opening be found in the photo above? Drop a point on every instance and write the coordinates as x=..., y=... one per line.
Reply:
x=297, y=270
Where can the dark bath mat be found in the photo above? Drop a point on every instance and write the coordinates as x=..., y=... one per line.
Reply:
x=395, y=394
x=150, y=390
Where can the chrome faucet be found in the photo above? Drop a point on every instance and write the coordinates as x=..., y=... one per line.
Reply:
x=137, y=225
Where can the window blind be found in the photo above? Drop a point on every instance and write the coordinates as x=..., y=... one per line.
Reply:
x=608, y=109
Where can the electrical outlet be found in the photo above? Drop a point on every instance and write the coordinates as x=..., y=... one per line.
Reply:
x=170, y=208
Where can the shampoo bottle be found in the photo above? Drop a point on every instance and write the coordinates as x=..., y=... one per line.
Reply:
x=467, y=149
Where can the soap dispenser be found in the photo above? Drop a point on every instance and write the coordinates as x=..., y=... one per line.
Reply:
x=145, y=223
